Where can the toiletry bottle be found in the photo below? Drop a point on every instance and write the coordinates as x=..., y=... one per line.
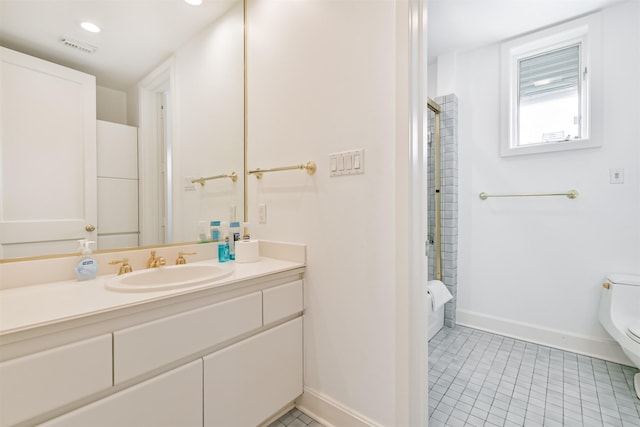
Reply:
x=234, y=236
x=215, y=231
x=223, y=250
x=86, y=267
x=245, y=234
x=204, y=232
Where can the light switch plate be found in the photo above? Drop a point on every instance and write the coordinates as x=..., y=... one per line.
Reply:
x=188, y=185
x=262, y=214
x=346, y=163
x=616, y=176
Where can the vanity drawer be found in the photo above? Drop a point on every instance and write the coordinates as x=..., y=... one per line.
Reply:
x=168, y=400
x=146, y=347
x=282, y=301
x=49, y=379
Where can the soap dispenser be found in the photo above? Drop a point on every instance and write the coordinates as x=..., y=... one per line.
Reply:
x=86, y=267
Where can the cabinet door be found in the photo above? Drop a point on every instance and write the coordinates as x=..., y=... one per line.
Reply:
x=171, y=399
x=248, y=382
x=47, y=156
x=43, y=381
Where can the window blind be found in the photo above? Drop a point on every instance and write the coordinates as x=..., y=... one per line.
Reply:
x=550, y=75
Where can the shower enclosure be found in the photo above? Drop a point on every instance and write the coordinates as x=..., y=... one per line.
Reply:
x=442, y=196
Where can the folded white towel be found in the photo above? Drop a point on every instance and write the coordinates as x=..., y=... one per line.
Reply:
x=439, y=294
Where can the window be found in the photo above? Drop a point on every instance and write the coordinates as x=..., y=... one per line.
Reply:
x=550, y=82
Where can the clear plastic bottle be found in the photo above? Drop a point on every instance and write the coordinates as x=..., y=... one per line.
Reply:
x=215, y=231
x=86, y=267
x=204, y=232
x=245, y=234
x=234, y=236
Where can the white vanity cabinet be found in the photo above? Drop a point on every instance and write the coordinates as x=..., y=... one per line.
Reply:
x=168, y=400
x=220, y=357
x=42, y=381
x=246, y=383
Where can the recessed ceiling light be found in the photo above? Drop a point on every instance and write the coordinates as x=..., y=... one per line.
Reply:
x=91, y=27
x=193, y=2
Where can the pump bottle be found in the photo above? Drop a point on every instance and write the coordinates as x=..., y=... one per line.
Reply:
x=86, y=267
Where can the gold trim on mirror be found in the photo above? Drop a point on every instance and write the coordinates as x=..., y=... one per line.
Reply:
x=246, y=117
x=99, y=251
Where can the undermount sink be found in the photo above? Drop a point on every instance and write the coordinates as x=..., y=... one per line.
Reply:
x=163, y=278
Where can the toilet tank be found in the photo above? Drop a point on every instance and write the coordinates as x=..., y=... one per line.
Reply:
x=622, y=299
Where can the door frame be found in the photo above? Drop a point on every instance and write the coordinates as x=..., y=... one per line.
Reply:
x=159, y=81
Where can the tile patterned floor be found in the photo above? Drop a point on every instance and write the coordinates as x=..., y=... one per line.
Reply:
x=481, y=379
x=295, y=418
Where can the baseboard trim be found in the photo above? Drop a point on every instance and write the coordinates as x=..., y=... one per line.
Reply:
x=601, y=349
x=329, y=412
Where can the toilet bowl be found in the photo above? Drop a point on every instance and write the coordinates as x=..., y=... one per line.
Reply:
x=619, y=314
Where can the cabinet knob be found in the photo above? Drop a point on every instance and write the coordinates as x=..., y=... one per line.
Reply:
x=90, y=227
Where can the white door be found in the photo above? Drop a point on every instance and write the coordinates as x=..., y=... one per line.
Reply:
x=47, y=156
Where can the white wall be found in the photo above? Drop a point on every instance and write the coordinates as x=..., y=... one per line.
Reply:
x=533, y=267
x=209, y=120
x=322, y=78
x=111, y=105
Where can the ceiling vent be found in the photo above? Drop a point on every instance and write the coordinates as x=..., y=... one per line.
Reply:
x=84, y=47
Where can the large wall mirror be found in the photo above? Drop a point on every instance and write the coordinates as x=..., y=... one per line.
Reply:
x=169, y=100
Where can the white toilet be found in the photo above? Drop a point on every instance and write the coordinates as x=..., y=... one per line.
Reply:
x=620, y=315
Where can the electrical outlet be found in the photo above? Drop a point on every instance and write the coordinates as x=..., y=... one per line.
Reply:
x=616, y=176
x=262, y=214
x=232, y=213
x=188, y=185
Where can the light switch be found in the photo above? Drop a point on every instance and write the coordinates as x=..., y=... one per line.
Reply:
x=346, y=163
x=616, y=176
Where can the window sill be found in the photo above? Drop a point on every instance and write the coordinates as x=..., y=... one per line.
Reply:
x=550, y=147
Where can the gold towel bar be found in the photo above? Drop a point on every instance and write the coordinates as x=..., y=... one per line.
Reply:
x=233, y=177
x=310, y=168
x=571, y=194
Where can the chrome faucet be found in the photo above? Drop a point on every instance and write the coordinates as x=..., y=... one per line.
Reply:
x=155, y=262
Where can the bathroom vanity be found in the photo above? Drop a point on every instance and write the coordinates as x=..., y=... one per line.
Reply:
x=225, y=353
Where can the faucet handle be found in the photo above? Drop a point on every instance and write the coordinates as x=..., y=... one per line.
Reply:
x=151, y=260
x=124, y=268
x=181, y=259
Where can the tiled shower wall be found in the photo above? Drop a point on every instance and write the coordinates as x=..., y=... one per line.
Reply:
x=449, y=191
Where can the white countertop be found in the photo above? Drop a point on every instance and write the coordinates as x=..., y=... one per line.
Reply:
x=34, y=306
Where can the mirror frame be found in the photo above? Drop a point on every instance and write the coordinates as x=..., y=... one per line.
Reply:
x=245, y=169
